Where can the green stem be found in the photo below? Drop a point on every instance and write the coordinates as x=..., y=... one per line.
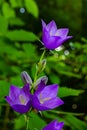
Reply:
x=26, y=120
x=41, y=58
x=62, y=112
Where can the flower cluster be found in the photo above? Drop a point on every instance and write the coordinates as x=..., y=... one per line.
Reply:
x=37, y=95
x=44, y=98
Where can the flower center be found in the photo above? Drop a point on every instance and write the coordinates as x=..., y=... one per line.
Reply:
x=51, y=33
x=42, y=100
x=22, y=99
x=56, y=34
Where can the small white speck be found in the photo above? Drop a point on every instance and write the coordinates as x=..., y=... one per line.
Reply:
x=22, y=10
x=74, y=106
x=66, y=52
x=59, y=48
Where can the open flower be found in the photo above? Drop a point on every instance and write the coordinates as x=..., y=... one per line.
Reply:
x=45, y=97
x=53, y=37
x=54, y=125
x=19, y=98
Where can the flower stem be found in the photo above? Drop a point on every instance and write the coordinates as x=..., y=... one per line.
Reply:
x=41, y=58
x=26, y=120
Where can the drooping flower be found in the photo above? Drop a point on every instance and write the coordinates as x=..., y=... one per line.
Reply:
x=45, y=97
x=54, y=125
x=19, y=98
x=53, y=37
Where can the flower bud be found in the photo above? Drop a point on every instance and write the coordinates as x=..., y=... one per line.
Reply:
x=41, y=66
x=26, y=78
x=43, y=78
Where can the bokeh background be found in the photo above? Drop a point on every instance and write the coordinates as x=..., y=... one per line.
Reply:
x=20, y=25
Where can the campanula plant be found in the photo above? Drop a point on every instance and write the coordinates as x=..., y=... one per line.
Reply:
x=36, y=94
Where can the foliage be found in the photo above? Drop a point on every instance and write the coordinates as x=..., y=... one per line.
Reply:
x=19, y=51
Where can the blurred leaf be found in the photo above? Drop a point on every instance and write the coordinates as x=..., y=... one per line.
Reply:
x=3, y=25
x=16, y=3
x=75, y=122
x=8, y=12
x=16, y=21
x=29, y=50
x=21, y=35
x=36, y=122
x=19, y=123
x=54, y=78
x=16, y=81
x=65, y=92
x=4, y=89
x=68, y=73
x=31, y=7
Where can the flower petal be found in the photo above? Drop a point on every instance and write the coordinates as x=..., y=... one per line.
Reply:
x=52, y=42
x=8, y=99
x=22, y=108
x=43, y=24
x=49, y=91
x=46, y=105
x=36, y=104
x=53, y=103
x=14, y=92
x=62, y=32
x=54, y=125
x=52, y=28
x=40, y=87
x=26, y=90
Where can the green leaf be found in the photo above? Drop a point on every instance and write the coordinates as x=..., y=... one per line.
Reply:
x=19, y=123
x=16, y=80
x=16, y=3
x=30, y=50
x=16, y=21
x=36, y=122
x=31, y=7
x=54, y=78
x=21, y=35
x=8, y=12
x=4, y=88
x=75, y=123
x=3, y=25
x=65, y=92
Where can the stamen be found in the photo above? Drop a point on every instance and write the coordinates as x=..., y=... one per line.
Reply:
x=42, y=100
x=22, y=99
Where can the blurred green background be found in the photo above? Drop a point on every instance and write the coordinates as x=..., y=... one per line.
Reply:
x=20, y=25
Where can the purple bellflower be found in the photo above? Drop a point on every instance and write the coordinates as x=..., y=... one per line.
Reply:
x=54, y=125
x=19, y=98
x=53, y=37
x=45, y=97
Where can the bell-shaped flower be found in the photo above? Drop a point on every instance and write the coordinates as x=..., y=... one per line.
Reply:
x=53, y=37
x=19, y=98
x=54, y=125
x=45, y=97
